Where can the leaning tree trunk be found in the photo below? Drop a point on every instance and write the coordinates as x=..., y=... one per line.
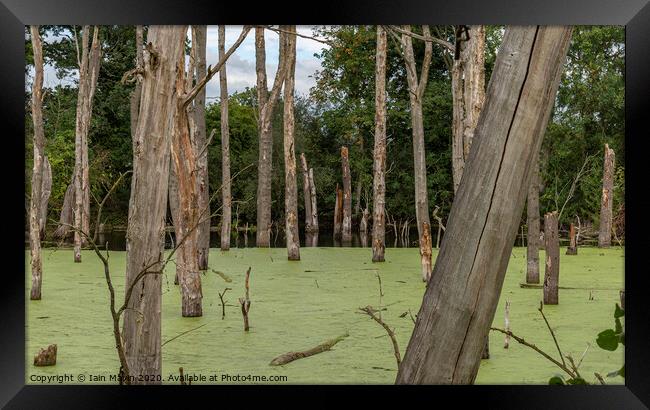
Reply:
x=461, y=299
x=88, y=73
x=346, y=233
x=291, y=188
x=379, y=155
x=226, y=199
x=532, y=214
x=199, y=139
x=416, y=95
x=607, y=200
x=37, y=170
x=46, y=190
x=148, y=203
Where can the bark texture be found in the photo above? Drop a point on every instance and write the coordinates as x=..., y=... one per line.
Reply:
x=468, y=96
x=552, y=265
x=306, y=193
x=226, y=198
x=148, y=203
x=338, y=213
x=46, y=190
x=137, y=90
x=88, y=74
x=314, y=204
x=379, y=153
x=532, y=215
x=290, y=184
x=67, y=210
x=346, y=232
x=607, y=200
x=266, y=102
x=460, y=301
x=573, y=247
x=37, y=170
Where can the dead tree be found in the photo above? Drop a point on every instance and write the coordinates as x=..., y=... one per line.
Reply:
x=314, y=204
x=425, y=252
x=379, y=154
x=607, y=200
x=306, y=192
x=266, y=102
x=226, y=196
x=291, y=356
x=468, y=96
x=346, y=233
x=196, y=114
x=137, y=90
x=532, y=214
x=66, y=219
x=552, y=265
x=88, y=74
x=290, y=188
x=573, y=247
x=338, y=213
x=37, y=170
x=245, y=302
x=461, y=299
x=416, y=96
x=46, y=190
x=148, y=204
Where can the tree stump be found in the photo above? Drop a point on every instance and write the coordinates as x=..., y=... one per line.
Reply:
x=552, y=266
x=573, y=248
x=606, y=202
x=46, y=357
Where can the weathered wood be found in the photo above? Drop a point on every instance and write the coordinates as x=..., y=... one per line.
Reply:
x=346, y=232
x=88, y=74
x=291, y=356
x=532, y=215
x=306, y=191
x=46, y=357
x=266, y=102
x=506, y=342
x=226, y=196
x=290, y=185
x=379, y=153
x=338, y=213
x=573, y=247
x=35, y=212
x=461, y=299
x=196, y=110
x=148, y=203
x=46, y=190
x=552, y=265
x=137, y=90
x=314, y=204
x=363, y=227
x=245, y=302
x=607, y=200
x=426, y=252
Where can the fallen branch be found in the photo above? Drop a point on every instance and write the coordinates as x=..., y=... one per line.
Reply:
x=291, y=356
x=181, y=334
x=370, y=311
x=223, y=303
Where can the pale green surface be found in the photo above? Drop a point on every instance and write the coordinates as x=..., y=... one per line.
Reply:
x=290, y=312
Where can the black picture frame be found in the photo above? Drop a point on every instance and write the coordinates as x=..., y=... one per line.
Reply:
x=634, y=14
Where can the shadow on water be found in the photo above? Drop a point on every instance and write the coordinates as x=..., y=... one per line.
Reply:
x=117, y=240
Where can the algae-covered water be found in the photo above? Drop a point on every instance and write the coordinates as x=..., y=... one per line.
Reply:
x=297, y=305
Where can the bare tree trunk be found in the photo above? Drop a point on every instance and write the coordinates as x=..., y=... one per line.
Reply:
x=573, y=248
x=199, y=139
x=306, y=193
x=357, y=204
x=460, y=301
x=148, y=204
x=532, y=214
x=425, y=252
x=174, y=209
x=314, y=205
x=338, y=213
x=291, y=188
x=88, y=73
x=346, y=235
x=266, y=102
x=552, y=270
x=363, y=228
x=46, y=190
x=226, y=211
x=137, y=91
x=37, y=170
x=468, y=96
x=606, y=202
x=379, y=155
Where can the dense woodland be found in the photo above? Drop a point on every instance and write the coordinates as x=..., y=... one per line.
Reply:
x=339, y=110
x=477, y=131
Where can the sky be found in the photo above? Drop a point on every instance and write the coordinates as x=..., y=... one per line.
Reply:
x=241, y=64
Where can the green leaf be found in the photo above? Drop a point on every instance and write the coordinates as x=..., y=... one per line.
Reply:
x=577, y=380
x=608, y=340
x=556, y=381
x=619, y=326
x=618, y=312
